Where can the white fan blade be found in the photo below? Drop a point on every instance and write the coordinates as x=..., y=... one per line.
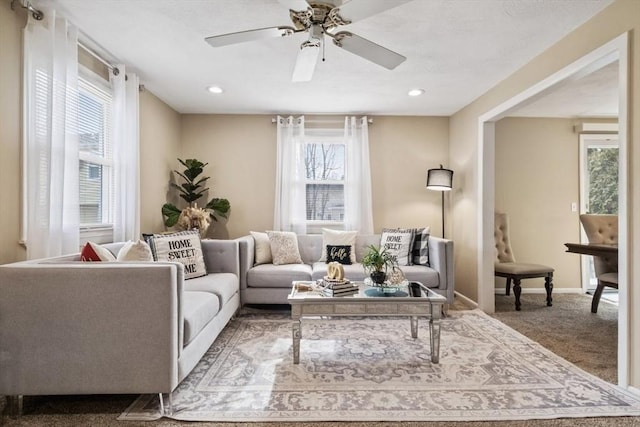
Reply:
x=246, y=36
x=295, y=5
x=306, y=62
x=368, y=50
x=361, y=9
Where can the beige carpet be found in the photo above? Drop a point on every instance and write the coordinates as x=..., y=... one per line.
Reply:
x=568, y=315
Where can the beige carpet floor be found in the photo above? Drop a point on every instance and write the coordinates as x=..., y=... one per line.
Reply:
x=568, y=329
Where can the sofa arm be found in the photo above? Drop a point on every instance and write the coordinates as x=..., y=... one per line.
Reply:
x=89, y=328
x=247, y=254
x=221, y=256
x=441, y=260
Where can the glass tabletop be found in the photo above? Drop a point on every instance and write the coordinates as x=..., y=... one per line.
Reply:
x=308, y=290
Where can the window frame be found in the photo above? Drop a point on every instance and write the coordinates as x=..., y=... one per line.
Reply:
x=324, y=136
x=102, y=232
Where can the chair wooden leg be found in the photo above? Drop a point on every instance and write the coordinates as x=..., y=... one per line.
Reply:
x=548, y=285
x=596, y=297
x=516, y=291
x=507, y=289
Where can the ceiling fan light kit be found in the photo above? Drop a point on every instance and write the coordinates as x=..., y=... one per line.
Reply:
x=320, y=18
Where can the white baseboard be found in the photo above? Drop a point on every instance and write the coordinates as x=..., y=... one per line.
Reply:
x=542, y=291
x=466, y=301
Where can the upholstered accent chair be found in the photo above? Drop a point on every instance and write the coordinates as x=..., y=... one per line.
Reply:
x=506, y=265
x=602, y=229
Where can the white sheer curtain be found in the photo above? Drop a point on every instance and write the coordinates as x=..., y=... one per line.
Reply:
x=50, y=136
x=357, y=192
x=126, y=155
x=290, y=205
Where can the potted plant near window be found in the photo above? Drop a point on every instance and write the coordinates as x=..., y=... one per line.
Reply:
x=376, y=262
x=192, y=217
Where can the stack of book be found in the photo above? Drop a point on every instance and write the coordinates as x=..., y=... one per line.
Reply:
x=337, y=287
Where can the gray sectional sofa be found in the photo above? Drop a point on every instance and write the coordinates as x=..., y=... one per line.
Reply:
x=270, y=284
x=71, y=327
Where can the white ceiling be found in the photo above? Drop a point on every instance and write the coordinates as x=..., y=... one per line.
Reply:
x=595, y=95
x=456, y=50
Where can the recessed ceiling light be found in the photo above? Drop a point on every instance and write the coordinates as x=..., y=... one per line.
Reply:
x=416, y=92
x=215, y=89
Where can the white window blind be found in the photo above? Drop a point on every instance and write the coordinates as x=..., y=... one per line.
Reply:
x=95, y=128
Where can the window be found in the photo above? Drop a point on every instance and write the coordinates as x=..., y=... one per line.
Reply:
x=324, y=165
x=323, y=178
x=96, y=157
x=598, y=188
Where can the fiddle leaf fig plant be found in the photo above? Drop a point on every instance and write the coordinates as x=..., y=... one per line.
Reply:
x=191, y=190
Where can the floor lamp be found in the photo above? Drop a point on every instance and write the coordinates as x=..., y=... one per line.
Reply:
x=440, y=180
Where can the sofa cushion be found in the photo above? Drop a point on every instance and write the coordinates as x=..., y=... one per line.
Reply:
x=94, y=252
x=284, y=247
x=135, y=251
x=399, y=243
x=183, y=247
x=262, y=246
x=339, y=253
x=278, y=276
x=224, y=285
x=420, y=252
x=419, y=273
x=199, y=309
x=338, y=237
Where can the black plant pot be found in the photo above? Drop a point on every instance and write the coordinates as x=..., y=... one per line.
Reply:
x=378, y=277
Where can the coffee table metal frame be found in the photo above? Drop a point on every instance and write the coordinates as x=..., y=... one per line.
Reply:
x=314, y=304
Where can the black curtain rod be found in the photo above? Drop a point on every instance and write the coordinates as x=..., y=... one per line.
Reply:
x=37, y=14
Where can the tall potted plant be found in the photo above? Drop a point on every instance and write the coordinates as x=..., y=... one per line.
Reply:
x=377, y=262
x=191, y=190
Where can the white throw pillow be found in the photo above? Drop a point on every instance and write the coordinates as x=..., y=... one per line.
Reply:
x=262, y=248
x=338, y=238
x=135, y=251
x=284, y=247
x=398, y=242
x=183, y=247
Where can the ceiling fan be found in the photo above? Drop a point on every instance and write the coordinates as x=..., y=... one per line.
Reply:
x=320, y=18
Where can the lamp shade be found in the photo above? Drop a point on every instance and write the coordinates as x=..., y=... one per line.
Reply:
x=439, y=179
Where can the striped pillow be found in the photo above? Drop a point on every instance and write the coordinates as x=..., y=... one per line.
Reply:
x=420, y=252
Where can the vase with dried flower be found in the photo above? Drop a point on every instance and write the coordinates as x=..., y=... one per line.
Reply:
x=193, y=217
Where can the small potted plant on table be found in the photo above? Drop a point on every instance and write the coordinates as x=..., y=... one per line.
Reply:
x=376, y=262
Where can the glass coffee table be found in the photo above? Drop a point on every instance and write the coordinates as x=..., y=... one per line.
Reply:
x=307, y=300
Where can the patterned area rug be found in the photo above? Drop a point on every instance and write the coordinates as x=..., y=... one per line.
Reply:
x=370, y=369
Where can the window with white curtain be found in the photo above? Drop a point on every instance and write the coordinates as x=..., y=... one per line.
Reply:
x=323, y=177
x=81, y=144
x=96, y=181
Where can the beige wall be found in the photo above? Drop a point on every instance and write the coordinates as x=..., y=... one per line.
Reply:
x=159, y=147
x=11, y=24
x=402, y=149
x=620, y=17
x=241, y=151
x=537, y=179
